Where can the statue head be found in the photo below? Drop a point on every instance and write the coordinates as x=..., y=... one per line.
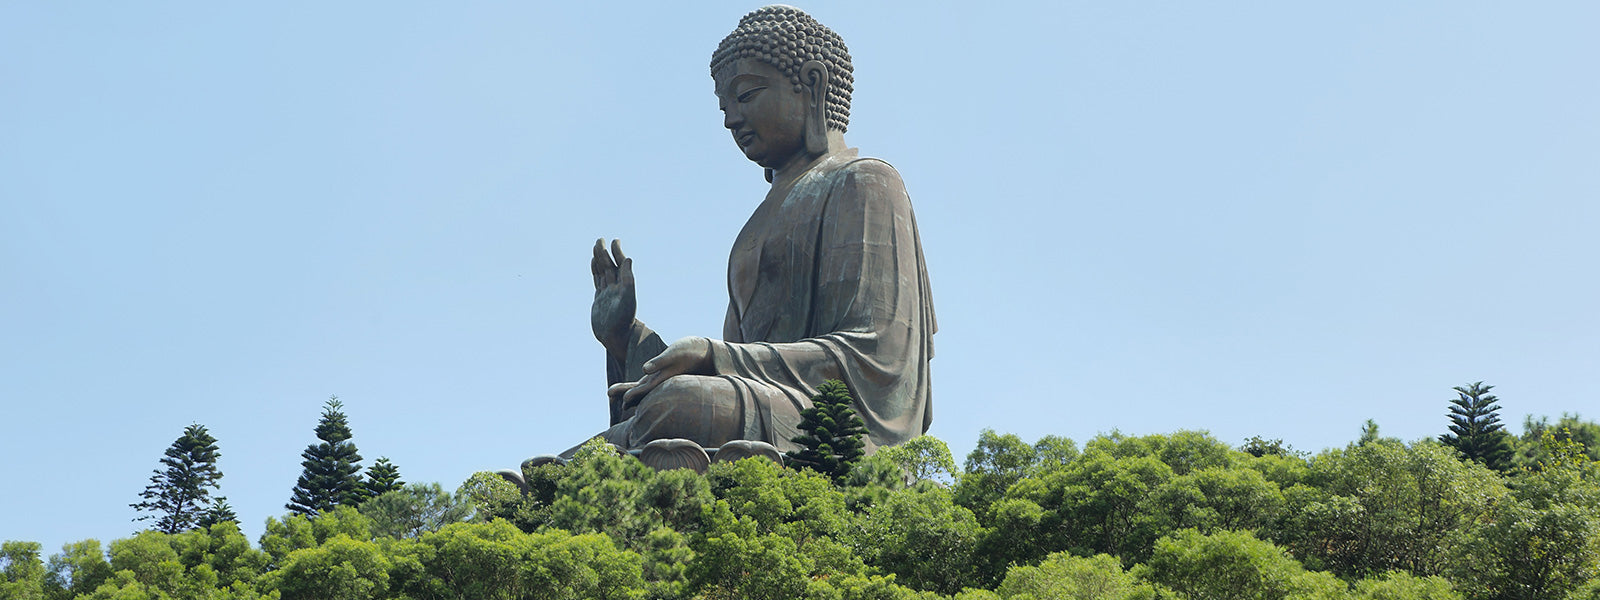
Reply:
x=782, y=78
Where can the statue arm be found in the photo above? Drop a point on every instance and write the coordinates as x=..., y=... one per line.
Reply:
x=643, y=344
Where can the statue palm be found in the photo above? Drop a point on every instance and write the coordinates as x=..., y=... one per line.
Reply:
x=611, y=315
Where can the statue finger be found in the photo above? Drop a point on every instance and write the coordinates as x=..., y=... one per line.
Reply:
x=616, y=251
x=625, y=273
x=597, y=262
x=633, y=395
x=617, y=390
x=602, y=259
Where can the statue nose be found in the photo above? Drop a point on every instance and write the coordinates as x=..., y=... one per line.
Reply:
x=731, y=119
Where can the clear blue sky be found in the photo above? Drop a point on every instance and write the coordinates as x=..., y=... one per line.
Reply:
x=1275, y=219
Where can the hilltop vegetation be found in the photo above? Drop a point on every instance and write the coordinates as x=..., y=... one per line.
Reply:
x=1121, y=517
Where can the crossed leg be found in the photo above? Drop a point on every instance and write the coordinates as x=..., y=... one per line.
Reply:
x=709, y=410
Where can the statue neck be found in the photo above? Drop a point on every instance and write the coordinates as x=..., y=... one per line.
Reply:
x=803, y=161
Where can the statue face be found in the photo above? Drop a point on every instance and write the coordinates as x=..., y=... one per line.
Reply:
x=763, y=111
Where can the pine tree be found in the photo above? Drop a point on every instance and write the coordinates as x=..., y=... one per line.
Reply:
x=832, y=439
x=382, y=477
x=331, y=477
x=1475, y=428
x=1369, y=433
x=220, y=512
x=178, y=496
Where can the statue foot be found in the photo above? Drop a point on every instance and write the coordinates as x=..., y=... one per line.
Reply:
x=541, y=460
x=738, y=449
x=675, y=454
x=515, y=477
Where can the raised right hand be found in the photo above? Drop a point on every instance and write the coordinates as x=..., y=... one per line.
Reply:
x=611, y=315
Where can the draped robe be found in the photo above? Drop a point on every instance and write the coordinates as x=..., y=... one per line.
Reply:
x=825, y=281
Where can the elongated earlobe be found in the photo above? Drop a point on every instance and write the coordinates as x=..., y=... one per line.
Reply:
x=815, y=77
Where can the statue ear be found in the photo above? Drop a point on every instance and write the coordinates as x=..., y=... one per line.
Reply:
x=815, y=77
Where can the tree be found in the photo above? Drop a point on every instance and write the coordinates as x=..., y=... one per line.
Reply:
x=495, y=560
x=1543, y=541
x=1369, y=433
x=832, y=438
x=997, y=462
x=1062, y=575
x=415, y=509
x=382, y=477
x=1386, y=506
x=1258, y=447
x=1233, y=565
x=78, y=570
x=923, y=537
x=1475, y=428
x=330, y=478
x=1530, y=448
x=178, y=496
x=220, y=512
x=923, y=458
x=22, y=574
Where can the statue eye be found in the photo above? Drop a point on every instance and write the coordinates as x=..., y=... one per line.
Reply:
x=750, y=94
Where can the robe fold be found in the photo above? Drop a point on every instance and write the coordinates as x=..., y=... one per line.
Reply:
x=826, y=281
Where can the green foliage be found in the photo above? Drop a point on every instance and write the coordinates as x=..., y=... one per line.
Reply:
x=1369, y=433
x=492, y=497
x=1400, y=585
x=799, y=504
x=832, y=441
x=24, y=572
x=338, y=569
x=213, y=563
x=871, y=481
x=1065, y=576
x=496, y=560
x=382, y=477
x=1285, y=471
x=1231, y=565
x=735, y=564
x=621, y=497
x=1531, y=449
x=1053, y=452
x=413, y=510
x=1545, y=541
x=1156, y=516
x=924, y=458
x=1258, y=446
x=177, y=497
x=1216, y=499
x=924, y=538
x=991, y=468
x=298, y=532
x=1183, y=451
x=79, y=569
x=1385, y=506
x=330, y=477
x=1093, y=506
x=1475, y=428
x=219, y=512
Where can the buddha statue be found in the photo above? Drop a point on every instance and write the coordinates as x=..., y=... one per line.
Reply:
x=825, y=281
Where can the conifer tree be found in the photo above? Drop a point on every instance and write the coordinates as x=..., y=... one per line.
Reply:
x=332, y=467
x=177, y=497
x=832, y=439
x=382, y=477
x=1475, y=428
x=220, y=512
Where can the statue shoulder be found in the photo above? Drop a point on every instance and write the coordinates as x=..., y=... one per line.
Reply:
x=870, y=171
